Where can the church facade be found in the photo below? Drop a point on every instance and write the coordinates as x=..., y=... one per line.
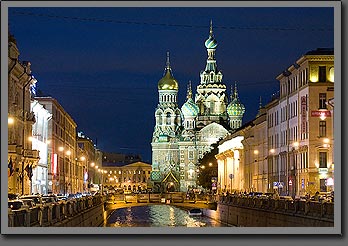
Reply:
x=183, y=135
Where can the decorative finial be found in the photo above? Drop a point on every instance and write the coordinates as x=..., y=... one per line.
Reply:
x=189, y=90
x=260, y=103
x=211, y=28
x=168, y=63
x=232, y=97
x=235, y=90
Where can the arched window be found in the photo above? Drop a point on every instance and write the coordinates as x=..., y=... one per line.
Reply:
x=168, y=118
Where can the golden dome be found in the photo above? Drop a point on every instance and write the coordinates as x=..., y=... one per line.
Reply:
x=168, y=82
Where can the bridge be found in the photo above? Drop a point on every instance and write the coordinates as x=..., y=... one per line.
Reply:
x=173, y=198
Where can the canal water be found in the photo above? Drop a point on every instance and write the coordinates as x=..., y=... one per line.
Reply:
x=157, y=216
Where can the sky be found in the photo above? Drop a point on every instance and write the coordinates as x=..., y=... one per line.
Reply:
x=103, y=64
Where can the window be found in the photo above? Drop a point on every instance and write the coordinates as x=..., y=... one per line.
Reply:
x=322, y=159
x=322, y=100
x=322, y=128
x=168, y=119
x=322, y=74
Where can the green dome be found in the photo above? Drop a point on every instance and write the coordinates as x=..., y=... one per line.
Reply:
x=168, y=82
x=235, y=108
x=190, y=109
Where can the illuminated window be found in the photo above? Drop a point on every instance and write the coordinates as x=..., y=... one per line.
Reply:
x=322, y=128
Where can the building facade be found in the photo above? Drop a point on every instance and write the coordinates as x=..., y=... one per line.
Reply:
x=289, y=146
x=133, y=177
x=62, y=170
x=22, y=158
x=182, y=135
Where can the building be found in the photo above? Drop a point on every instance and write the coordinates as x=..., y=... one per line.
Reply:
x=22, y=158
x=289, y=146
x=303, y=124
x=133, y=177
x=182, y=135
x=63, y=174
x=40, y=142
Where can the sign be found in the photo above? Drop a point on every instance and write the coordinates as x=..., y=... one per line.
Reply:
x=303, y=114
x=290, y=182
x=302, y=183
x=278, y=184
x=320, y=113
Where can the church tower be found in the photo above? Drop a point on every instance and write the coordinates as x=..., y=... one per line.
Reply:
x=235, y=109
x=211, y=92
x=166, y=132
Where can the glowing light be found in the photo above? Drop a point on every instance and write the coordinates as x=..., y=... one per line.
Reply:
x=332, y=74
x=317, y=165
x=322, y=116
x=256, y=152
x=30, y=138
x=210, y=164
x=10, y=120
x=326, y=140
x=203, y=167
x=48, y=141
x=92, y=164
x=295, y=144
x=330, y=181
x=272, y=151
x=61, y=148
x=68, y=152
x=82, y=158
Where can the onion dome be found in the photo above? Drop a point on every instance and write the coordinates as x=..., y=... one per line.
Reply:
x=235, y=107
x=211, y=43
x=168, y=82
x=189, y=109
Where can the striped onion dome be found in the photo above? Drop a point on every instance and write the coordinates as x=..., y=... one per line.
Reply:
x=211, y=43
x=189, y=109
x=235, y=107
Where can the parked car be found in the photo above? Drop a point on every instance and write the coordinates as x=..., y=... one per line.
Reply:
x=29, y=202
x=52, y=196
x=12, y=196
x=48, y=199
x=37, y=198
x=286, y=198
x=62, y=198
x=15, y=204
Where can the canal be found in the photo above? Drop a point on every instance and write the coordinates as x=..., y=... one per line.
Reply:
x=157, y=216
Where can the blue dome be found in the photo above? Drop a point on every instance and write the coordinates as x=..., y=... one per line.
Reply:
x=190, y=109
x=210, y=43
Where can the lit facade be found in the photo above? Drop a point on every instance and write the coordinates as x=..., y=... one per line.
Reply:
x=62, y=148
x=40, y=142
x=183, y=135
x=22, y=158
x=306, y=131
x=132, y=177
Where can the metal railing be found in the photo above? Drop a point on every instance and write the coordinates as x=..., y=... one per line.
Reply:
x=49, y=214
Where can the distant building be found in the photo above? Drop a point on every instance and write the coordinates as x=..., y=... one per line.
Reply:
x=132, y=176
x=182, y=135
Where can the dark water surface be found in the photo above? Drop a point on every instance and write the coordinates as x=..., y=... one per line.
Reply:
x=157, y=216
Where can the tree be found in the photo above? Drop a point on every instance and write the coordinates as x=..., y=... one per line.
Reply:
x=208, y=168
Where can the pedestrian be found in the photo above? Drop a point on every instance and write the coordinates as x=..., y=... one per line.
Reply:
x=316, y=196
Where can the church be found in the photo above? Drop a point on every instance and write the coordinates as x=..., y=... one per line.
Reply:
x=183, y=135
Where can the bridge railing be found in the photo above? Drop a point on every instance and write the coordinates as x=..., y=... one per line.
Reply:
x=308, y=208
x=49, y=214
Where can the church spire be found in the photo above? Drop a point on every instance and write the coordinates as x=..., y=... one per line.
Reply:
x=189, y=90
x=168, y=62
x=232, y=97
x=235, y=90
x=211, y=28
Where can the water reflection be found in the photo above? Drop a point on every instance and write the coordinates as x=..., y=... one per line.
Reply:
x=157, y=216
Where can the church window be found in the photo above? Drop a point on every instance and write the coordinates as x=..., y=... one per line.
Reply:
x=190, y=154
x=168, y=118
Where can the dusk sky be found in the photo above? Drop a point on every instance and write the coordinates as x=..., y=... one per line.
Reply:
x=103, y=64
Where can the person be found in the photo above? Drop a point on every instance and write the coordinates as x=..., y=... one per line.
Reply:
x=316, y=196
x=275, y=195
